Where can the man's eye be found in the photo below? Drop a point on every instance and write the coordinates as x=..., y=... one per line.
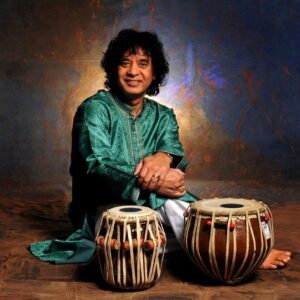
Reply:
x=125, y=63
x=143, y=64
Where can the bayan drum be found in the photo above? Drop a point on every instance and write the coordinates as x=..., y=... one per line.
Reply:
x=228, y=238
x=130, y=247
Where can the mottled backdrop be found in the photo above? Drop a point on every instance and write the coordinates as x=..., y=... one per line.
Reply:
x=234, y=82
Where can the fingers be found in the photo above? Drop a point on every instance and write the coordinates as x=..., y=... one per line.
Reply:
x=149, y=179
x=175, y=178
x=161, y=178
x=138, y=168
x=152, y=175
x=165, y=178
x=174, y=193
x=178, y=171
x=152, y=165
x=145, y=177
x=152, y=180
x=181, y=191
x=178, y=184
x=177, y=193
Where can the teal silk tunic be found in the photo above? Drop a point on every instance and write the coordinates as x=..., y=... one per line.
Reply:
x=107, y=144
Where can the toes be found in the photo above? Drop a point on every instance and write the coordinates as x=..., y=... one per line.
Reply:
x=285, y=259
x=268, y=267
x=284, y=253
x=280, y=263
x=280, y=255
x=288, y=254
x=276, y=258
x=281, y=252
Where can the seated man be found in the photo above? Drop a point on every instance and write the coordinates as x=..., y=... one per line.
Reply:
x=126, y=147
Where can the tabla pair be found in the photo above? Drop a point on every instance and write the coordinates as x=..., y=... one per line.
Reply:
x=226, y=238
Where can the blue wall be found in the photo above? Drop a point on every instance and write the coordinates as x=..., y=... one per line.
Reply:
x=234, y=82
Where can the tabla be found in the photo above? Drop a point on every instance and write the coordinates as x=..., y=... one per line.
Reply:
x=130, y=247
x=228, y=238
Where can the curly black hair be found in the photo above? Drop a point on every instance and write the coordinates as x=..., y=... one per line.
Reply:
x=130, y=40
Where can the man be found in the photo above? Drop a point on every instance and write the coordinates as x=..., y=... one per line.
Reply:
x=126, y=148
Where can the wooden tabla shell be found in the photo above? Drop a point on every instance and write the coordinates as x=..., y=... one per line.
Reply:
x=228, y=238
x=130, y=247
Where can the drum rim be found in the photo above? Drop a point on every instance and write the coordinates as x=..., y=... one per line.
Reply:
x=115, y=214
x=261, y=207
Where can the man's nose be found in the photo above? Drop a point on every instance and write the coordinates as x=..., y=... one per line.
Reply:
x=133, y=69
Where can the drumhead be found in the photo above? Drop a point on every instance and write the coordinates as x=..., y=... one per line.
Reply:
x=130, y=212
x=224, y=206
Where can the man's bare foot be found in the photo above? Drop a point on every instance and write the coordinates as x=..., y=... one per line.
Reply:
x=276, y=258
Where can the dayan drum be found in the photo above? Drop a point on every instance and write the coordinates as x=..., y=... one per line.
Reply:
x=228, y=238
x=130, y=247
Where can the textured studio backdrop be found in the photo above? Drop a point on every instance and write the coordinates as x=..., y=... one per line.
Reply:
x=234, y=83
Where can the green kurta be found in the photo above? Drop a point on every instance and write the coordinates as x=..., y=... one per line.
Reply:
x=108, y=143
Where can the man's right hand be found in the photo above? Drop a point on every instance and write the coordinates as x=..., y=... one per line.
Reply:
x=173, y=186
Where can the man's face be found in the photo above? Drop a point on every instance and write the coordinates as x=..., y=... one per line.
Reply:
x=135, y=74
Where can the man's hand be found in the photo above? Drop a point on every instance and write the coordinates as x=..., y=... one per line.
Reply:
x=152, y=170
x=173, y=185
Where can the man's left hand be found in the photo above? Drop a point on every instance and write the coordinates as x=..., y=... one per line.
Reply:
x=152, y=170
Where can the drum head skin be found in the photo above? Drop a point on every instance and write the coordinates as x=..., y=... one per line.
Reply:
x=130, y=212
x=224, y=206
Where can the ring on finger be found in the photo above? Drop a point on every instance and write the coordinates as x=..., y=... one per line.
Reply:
x=155, y=177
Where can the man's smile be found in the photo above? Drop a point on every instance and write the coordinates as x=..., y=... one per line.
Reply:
x=132, y=82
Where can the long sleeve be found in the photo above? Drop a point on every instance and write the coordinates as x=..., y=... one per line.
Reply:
x=92, y=146
x=168, y=140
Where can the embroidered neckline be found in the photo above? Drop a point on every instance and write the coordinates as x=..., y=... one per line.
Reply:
x=125, y=107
